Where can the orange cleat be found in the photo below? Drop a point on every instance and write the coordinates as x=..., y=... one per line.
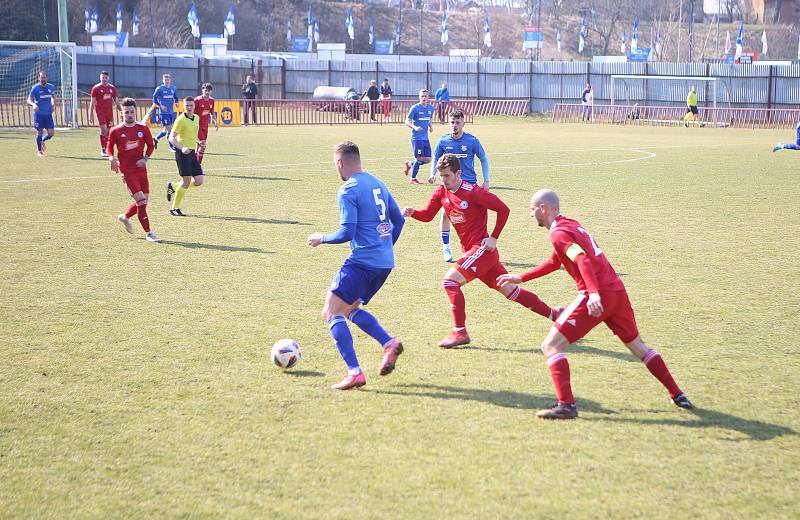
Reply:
x=455, y=339
x=351, y=381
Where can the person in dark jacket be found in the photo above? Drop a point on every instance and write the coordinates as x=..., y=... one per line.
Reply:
x=373, y=94
x=249, y=92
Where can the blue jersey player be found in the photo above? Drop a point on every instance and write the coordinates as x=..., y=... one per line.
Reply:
x=42, y=98
x=789, y=146
x=165, y=97
x=419, y=121
x=466, y=147
x=371, y=221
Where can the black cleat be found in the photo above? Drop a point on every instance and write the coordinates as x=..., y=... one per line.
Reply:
x=155, y=144
x=681, y=401
x=559, y=411
x=177, y=212
x=170, y=192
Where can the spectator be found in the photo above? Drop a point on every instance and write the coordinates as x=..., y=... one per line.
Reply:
x=442, y=98
x=587, y=100
x=373, y=94
x=386, y=96
x=250, y=92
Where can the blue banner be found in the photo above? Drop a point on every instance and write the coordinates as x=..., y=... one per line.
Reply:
x=640, y=54
x=301, y=44
x=383, y=46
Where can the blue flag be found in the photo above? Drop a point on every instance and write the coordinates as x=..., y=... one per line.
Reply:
x=444, y=28
x=86, y=15
x=348, y=24
x=582, y=35
x=119, y=17
x=487, y=31
x=558, y=39
x=397, y=33
x=289, y=29
x=230, y=22
x=310, y=23
x=623, y=43
x=635, y=35
x=316, y=31
x=93, y=20
x=194, y=21
x=371, y=33
x=739, y=42
x=135, y=21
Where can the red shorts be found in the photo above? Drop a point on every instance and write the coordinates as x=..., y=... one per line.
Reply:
x=575, y=322
x=105, y=117
x=136, y=180
x=481, y=264
x=202, y=133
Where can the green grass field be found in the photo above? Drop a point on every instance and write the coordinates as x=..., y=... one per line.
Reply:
x=136, y=380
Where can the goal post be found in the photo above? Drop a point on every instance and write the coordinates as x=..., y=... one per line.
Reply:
x=672, y=90
x=20, y=64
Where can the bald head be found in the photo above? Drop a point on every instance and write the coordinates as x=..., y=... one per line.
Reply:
x=547, y=197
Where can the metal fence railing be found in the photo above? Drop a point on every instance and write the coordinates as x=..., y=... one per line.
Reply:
x=16, y=113
x=673, y=115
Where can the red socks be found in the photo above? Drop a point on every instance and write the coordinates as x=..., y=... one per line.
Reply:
x=141, y=212
x=457, y=302
x=131, y=211
x=652, y=360
x=103, y=142
x=559, y=371
x=530, y=301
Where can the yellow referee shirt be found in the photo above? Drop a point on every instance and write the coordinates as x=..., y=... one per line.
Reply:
x=691, y=99
x=186, y=130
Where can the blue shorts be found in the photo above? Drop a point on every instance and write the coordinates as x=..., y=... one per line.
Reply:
x=355, y=282
x=43, y=121
x=166, y=119
x=422, y=147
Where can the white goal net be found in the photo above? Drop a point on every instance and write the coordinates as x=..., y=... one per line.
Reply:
x=666, y=90
x=20, y=64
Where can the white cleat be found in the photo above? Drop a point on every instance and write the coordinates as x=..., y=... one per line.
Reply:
x=446, y=253
x=151, y=237
x=125, y=221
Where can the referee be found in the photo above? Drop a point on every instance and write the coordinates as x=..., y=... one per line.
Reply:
x=691, y=108
x=183, y=137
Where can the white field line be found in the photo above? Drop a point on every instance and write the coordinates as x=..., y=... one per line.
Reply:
x=267, y=167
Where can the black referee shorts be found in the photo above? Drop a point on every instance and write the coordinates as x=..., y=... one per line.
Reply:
x=188, y=166
x=692, y=109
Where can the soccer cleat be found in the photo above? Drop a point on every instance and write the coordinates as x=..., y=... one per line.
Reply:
x=555, y=313
x=454, y=339
x=408, y=167
x=685, y=124
x=151, y=237
x=155, y=144
x=559, y=411
x=125, y=221
x=390, y=354
x=431, y=179
x=350, y=381
x=103, y=154
x=170, y=191
x=44, y=147
x=40, y=153
x=414, y=181
x=177, y=212
x=681, y=401
x=777, y=147
x=446, y=253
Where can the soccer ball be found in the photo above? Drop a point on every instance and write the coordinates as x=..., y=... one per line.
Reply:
x=286, y=353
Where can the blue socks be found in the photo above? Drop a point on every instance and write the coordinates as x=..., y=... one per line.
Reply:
x=446, y=237
x=344, y=341
x=160, y=135
x=791, y=146
x=415, y=168
x=370, y=325
x=39, y=141
x=46, y=137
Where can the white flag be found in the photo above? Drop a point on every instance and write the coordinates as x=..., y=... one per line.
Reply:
x=764, y=42
x=487, y=32
x=739, y=42
x=623, y=42
x=289, y=29
x=135, y=21
x=119, y=17
x=230, y=23
x=316, y=32
x=798, y=46
x=582, y=35
x=728, y=42
x=194, y=21
x=93, y=20
x=558, y=39
x=444, y=28
x=635, y=35
x=371, y=34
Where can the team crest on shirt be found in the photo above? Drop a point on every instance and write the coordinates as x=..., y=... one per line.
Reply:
x=463, y=148
x=139, y=134
x=383, y=229
x=464, y=204
x=123, y=135
x=456, y=217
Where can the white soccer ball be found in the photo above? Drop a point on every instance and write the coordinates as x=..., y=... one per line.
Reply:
x=286, y=353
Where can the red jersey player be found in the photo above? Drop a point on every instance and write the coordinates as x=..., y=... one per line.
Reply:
x=104, y=99
x=204, y=107
x=131, y=138
x=602, y=298
x=467, y=205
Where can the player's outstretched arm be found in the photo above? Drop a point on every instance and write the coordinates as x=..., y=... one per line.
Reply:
x=430, y=211
x=550, y=265
x=345, y=233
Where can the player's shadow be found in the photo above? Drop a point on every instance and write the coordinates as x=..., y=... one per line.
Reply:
x=505, y=188
x=519, y=265
x=95, y=159
x=220, y=153
x=526, y=350
x=503, y=398
x=252, y=220
x=580, y=347
x=217, y=247
x=704, y=418
x=304, y=373
x=22, y=138
x=257, y=178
